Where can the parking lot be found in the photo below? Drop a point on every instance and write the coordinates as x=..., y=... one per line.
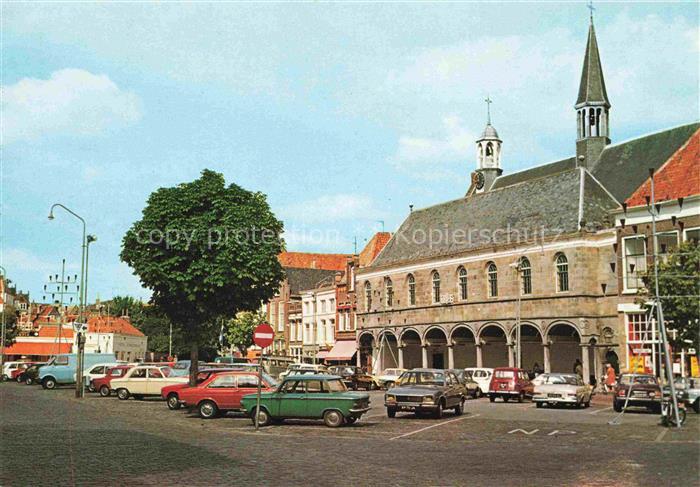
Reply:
x=51, y=437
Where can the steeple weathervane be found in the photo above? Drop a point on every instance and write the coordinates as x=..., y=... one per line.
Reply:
x=488, y=109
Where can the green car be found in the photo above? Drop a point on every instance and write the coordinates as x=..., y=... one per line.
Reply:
x=309, y=397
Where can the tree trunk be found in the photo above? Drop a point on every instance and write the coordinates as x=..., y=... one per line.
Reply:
x=194, y=363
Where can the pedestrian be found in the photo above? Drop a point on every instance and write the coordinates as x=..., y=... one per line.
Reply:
x=578, y=368
x=610, y=378
x=536, y=370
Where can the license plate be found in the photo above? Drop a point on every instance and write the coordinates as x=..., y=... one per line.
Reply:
x=553, y=395
x=502, y=386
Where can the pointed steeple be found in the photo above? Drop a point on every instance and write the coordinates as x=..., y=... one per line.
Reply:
x=592, y=106
x=592, y=87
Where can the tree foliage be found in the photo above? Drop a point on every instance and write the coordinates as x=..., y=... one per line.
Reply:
x=240, y=329
x=206, y=250
x=10, y=315
x=679, y=290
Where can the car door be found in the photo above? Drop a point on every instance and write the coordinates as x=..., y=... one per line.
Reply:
x=137, y=382
x=247, y=384
x=292, y=399
x=223, y=390
x=316, y=398
x=155, y=381
x=454, y=390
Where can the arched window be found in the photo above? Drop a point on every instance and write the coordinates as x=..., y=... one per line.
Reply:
x=389, y=290
x=411, y=289
x=492, y=272
x=562, y=273
x=436, y=287
x=462, y=283
x=368, y=295
x=525, y=275
x=489, y=149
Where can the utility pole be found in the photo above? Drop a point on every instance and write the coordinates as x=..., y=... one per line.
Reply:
x=518, y=283
x=2, y=332
x=62, y=289
x=659, y=307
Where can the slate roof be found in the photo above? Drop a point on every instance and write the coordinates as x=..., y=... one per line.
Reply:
x=623, y=167
x=679, y=177
x=301, y=279
x=534, y=172
x=592, y=86
x=523, y=213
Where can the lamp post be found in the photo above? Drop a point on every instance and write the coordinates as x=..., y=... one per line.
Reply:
x=79, y=391
x=2, y=335
x=518, y=355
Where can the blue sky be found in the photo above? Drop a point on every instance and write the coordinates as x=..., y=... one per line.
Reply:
x=344, y=114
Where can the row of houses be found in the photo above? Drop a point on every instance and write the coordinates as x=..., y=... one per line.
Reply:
x=537, y=267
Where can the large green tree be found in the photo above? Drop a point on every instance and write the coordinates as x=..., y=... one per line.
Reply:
x=679, y=290
x=206, y=250
x=240, y=329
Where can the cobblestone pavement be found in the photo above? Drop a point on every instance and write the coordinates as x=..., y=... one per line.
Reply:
x=51, y=438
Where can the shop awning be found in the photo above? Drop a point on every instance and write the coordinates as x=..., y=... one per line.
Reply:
x=37, y=349
x=342, y=350
x=321, y=355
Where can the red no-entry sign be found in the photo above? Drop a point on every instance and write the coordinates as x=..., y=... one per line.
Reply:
x=263, y=335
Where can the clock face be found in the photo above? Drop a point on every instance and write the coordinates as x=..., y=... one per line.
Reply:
x=479, y=180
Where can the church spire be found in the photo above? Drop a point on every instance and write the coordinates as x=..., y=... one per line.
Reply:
x=592, y=105
x=488, y=154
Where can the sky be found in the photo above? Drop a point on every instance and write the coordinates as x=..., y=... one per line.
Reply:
x=344, y=114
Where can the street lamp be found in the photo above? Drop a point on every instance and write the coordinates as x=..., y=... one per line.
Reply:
x=518, y=355
x=2, y=335
x=82, y=295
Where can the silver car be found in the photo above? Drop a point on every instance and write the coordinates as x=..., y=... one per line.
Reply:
x=567, y=389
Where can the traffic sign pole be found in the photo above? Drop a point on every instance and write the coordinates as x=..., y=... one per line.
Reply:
x=263, y=337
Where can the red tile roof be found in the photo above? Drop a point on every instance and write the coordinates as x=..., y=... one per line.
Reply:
x=373, y=247
x=304, y=260
x=34, y=348
x=110, y=324
x=52, y=332
x=678, y=177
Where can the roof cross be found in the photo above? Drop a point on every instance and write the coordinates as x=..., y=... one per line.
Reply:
x=488, y=109
x=591, y=8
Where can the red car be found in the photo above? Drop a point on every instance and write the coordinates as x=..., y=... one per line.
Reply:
x=171, y=393
x=509, y=382
x=223, y=392
x=20, y=368
x=102, y=384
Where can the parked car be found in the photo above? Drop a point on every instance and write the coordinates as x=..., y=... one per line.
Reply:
x=8, y=368
x=471, y=387
x=171, y=393
x=28, y=375
x=567, y=389
x=15, y=373
x=222, y=392
x=481, y=376
x=637, y=390
x=103, y=385
x=691, y=387
x=308, y=396
x=426, y=390
x=389, y=377
x=510, y=382
x=353, y=377
x=145, y=380
x=299, y=369
x=181, y=368
x=95, y=372
x=61, y=369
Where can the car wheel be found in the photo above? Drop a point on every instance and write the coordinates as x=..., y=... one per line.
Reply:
x=521, y=396
x=587, y=404
x=538, y=405
x=506, y=398
x=207, y=409
x=681, y=417
x=459, y=408
x=492, y=398
x=388, y=385
x=4, y=377
x=617, y=406
x=438, y=411
x=29, y=381
x=351, y=420
x=91, y=388
x=105, y=391
x=656, y=408
x=173, y=401
x=264, y=418
x=49, y=383
x=123, y=394
x=391, y=412
x=333, y=418
x=19, y=378
x=696, y=406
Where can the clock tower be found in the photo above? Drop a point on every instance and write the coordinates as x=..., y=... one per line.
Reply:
x=488, y=156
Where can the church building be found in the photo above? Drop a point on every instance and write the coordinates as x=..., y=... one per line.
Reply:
x=528, y=257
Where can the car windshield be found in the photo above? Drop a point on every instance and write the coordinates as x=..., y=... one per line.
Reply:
x=268, y=378
x=422, y=378
x=561, y=379
x=638, y=379
x=335, y=385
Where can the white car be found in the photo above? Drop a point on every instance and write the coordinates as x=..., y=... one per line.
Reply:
x=388, y=377
x=567, y=389
x=8, y=368
x=95, y=372
x=145, y=380
x=481, y=376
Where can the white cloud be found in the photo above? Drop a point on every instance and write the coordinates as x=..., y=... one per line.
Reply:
x=24, y=261
x=70, y=102
x=430, y=157
x=333, y=208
